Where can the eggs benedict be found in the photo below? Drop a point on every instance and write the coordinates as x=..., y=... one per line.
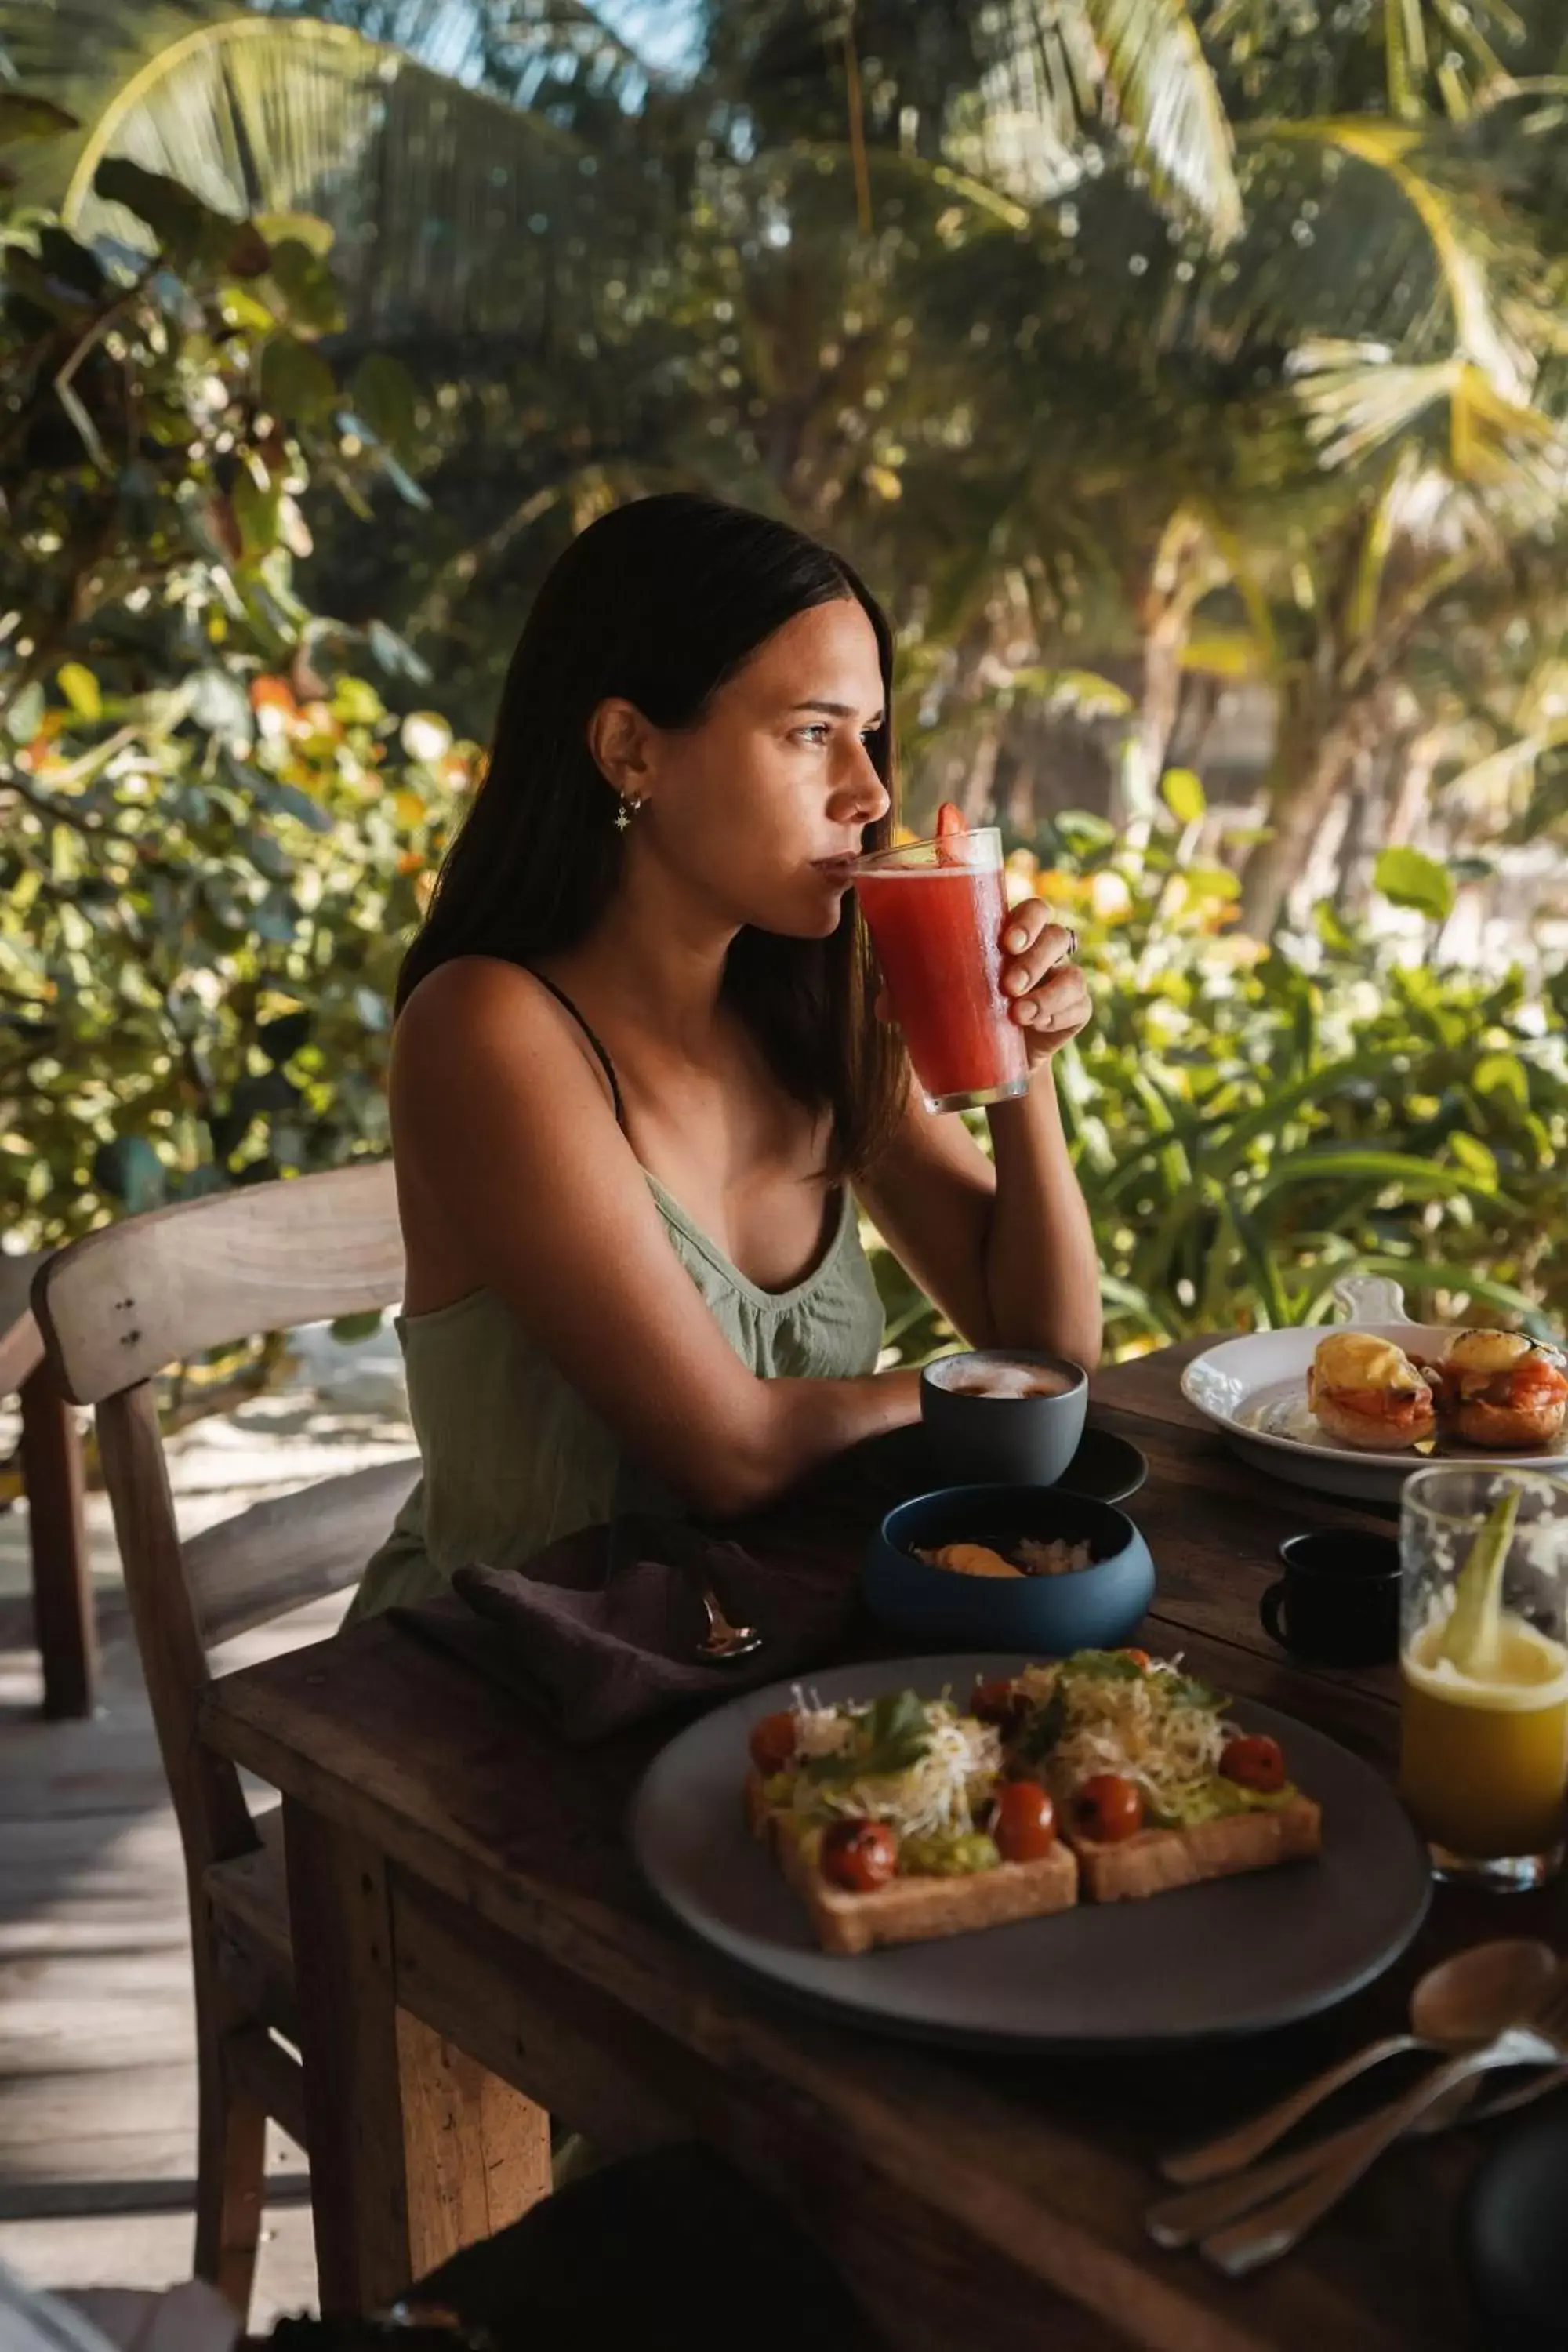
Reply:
x=1500, y=1389
x=1366, y=1392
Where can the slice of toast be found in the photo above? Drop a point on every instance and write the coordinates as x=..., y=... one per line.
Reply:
x=911, y=1910
x=1151, y=1862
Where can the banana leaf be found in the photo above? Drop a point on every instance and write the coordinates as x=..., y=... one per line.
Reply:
x=1381, y=1168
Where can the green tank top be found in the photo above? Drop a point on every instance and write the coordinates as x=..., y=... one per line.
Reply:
x=513, y=1458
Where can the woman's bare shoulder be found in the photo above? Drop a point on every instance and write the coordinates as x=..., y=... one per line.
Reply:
x=469, y=985
x=478, y=1024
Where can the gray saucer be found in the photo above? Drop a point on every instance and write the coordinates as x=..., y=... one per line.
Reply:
x=1106, y=1467
x=1233, y=1957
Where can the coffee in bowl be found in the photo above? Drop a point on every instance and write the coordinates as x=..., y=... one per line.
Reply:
x=1031, y=1442
x=981, y=1377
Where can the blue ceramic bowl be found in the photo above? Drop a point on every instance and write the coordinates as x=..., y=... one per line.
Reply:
x=1093, y=1608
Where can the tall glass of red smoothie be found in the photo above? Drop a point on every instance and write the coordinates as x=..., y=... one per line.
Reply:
x=935, y=911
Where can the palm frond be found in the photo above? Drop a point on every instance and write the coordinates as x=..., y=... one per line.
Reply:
x=1504, y=783
x=1166, y=95
x=449, y=208
x=1046, y=70
x=1438, y=55
x=1020, y=127
x=1359, y=400
x=510, y=49
x=1404, y=48
x=1494, y=784
x=1457, y=243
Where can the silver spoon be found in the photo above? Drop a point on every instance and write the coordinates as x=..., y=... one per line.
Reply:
x=1457, y=2005
x=724, y=1644
x=1539, y=2037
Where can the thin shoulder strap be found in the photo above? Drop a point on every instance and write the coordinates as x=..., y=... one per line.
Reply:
x=605, y=1062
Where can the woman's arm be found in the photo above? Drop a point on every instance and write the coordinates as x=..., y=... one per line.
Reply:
x=1005, y=1247
x=512, y=1171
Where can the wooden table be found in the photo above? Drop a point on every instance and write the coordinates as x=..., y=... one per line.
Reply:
x=468, y=1917
x=53, y=1482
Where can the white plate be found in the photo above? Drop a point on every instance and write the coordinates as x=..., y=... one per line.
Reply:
x=1255, y=1390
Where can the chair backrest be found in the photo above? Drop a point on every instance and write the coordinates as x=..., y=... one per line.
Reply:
x=119, y=1306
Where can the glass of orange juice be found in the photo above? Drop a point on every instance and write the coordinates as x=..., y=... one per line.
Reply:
x=1483, y=1762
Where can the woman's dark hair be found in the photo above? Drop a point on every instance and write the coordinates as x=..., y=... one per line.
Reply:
x=659, y=602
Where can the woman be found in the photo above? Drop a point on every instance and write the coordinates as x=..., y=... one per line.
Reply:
x=639, y=1081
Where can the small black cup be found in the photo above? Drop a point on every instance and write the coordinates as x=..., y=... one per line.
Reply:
x=1337, y=1603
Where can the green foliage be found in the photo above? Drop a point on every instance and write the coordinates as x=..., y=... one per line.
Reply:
x=1184, y=795
x=1132, y=330
x=1408, y=878
x=1084, y=329
x=1248, y=1126
x=214, y=833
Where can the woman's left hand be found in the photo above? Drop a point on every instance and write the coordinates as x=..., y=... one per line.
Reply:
x=1048, y=996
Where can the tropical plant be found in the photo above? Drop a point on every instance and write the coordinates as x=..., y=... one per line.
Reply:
x=451, y=210
x=214, y=833
x=1249, y=1125
x=1097, y=330
x=1186, y=344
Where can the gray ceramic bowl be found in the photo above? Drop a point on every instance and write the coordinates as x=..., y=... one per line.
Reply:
x=1002, y=1441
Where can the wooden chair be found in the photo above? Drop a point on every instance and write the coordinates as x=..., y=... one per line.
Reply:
x=115, y=1309
x=52, y=1480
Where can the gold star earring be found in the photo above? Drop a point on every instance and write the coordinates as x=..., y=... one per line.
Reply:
x=626, y=813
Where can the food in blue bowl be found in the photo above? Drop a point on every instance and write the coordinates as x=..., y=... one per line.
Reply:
x=1009, y=1568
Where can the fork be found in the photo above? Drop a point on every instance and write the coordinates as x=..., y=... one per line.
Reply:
x=1200, y=2211
x=1191, y=2167
x=1539, y=2038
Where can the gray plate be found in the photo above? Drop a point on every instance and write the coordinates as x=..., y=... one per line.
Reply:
x=1232, y=1958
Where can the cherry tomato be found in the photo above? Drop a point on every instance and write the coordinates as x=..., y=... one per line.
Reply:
x=1025, y=1821
x=1139, y=1658
x=773, y=1743
x=1110, y=1808
x=1255, y=1762
x=992, y=1702
x=859, y=1855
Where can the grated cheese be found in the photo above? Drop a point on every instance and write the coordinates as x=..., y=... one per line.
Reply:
x=935, y=1796
x=1145, y=1728
x=820, y=1730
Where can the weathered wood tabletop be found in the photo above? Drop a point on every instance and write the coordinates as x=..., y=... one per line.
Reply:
x=466, y=1908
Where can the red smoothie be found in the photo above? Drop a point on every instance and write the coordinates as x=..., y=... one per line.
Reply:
x=937, y=930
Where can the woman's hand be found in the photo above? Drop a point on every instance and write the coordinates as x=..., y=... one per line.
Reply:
x=1048, y=996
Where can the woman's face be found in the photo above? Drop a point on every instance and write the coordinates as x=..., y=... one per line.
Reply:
x=756, y=809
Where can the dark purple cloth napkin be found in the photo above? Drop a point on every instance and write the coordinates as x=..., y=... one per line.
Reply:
x=601, y=1631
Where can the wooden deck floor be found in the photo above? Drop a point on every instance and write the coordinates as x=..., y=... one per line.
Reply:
x=97, y=2071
